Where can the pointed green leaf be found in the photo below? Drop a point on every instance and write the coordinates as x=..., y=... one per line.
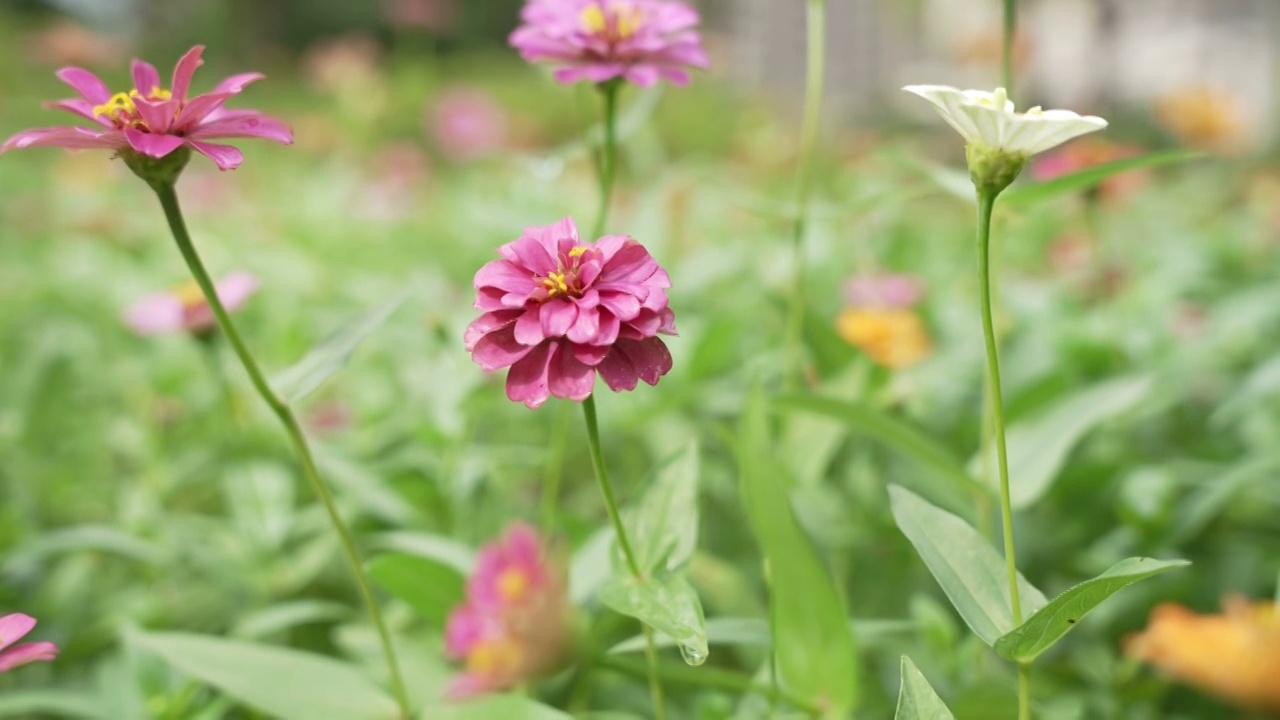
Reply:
x=664, y=528
x=813, y=648
x=507, y=707
x=1056, y=619
x=429, y=586
x=285, y=683
x=1029, y=193
x=1039, y=446
x=970, y=571
x=331, y=354
x=667, y=603
x=916, y=698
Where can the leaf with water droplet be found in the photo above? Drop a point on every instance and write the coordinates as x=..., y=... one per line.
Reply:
x=666, y=603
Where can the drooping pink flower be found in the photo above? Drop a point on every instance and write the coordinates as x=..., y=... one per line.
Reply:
x=185, y=309
x=888, y=291
x=13, y=628
x=557, y=311
x=153, y=120
x=640, y=41
x=467, y=123
x=514, y=625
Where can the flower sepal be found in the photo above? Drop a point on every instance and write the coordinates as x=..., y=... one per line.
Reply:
x=993, y=169
x=157, y=172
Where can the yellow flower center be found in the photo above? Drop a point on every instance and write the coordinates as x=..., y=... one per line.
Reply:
x=614, y=21
x=512, y=585
x=564, y=281
x=555, y=284
x=120, y=107
x=499, y=657
x=892, y=338
x=189, y=294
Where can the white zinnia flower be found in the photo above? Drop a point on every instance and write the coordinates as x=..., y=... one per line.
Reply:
x=988, y=120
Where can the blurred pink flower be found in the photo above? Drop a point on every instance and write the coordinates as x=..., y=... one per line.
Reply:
x=640, y=41
x=12, y=629
x=514, y=624
x=393, y=192
x=184, y=309
x=887, y=291
x=467, y=123
x=1086, y=153
x=557, y=311
x=155, y=121
x=438, y=15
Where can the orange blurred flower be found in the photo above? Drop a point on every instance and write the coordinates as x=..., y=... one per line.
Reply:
x=1205, y=118
x=893, y=337
x=1235, y=655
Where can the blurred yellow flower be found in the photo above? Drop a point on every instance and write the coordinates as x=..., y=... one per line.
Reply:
x=1235, y=655
x=893, y=337
x=1205, y=119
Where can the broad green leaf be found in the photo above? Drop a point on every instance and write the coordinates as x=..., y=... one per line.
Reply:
x=668, y=604
x=970, y=571
x=429, y=586
x=1038, y=446
x=1029, y=193
x=813, y=648
x=447, y=551
x=664, y=529
x=1194, y=514
x=82, y=538
x=331, y=354
x=916, y=698
x=491, y=707
x=1050, y=623
x=899, y=435
x=286, y=683
x=288, y=615
x=46, y=703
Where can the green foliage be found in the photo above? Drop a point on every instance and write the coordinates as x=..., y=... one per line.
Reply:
x=430, y=587
x=332, y=353
x=916, y=698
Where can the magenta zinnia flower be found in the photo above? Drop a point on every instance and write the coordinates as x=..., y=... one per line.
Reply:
x=557, y=311
x=153, y=120
x=185, y=309
x=640, y=41
x=514, y=625
x=12, y=629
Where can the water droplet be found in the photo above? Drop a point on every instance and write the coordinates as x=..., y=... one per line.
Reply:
x=694, y=655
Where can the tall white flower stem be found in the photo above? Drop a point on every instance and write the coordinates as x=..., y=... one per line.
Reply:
x=1010, y=32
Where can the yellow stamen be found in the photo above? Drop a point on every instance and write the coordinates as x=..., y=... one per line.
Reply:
x=499, y=657
x=620, y=21
x=593, y=19
x=578, y=251
x=555, y=283
x=189, y=294
x=119, y=103
x=512, y=584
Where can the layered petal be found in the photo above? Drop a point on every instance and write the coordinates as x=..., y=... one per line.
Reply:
x=988, y=119
x=72, y=138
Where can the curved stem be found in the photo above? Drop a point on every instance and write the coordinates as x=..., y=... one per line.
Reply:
x=173, y=213
x=986, y=202
x=1010, y=26
x=814, y=80
x=611, y=504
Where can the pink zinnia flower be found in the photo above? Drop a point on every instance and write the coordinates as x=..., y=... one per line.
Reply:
x=640, y=41
x=12, y=629
x=467, y=123
x=514, y=623
x=185, y=309
x=557, y=311
x=153, y=120
x=889, y=291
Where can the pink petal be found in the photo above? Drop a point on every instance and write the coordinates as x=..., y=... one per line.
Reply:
x=14, y=627
x=586, y=328
x=259, y=126
x=157, y=115
x=468, y=685
x=486, y=324
x=570, y=378
x=590, y=354
x=624, y=305
x=236, y=83
x=63, y=137
x=183, y=71
x=643, y=75
x=145, y=77
x=528, y=328
x=527, y=380
x=499, y=349
x=198, y=109
x=505, y=275
x=557, y=317
x=79, y=107
x=24, y=654
x=155, y=314
x=90, y=87
x=224, y=156
x=156, y=146
x=235, y=288
x=632, y=360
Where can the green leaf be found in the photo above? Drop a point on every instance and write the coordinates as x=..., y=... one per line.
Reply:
x=430, y=587
x=1090, y=176
x=287, y=615
x=916, y=698
x=813, y=648
x=664, y=528
x=331, y=354
x=1056, y=619
x=754, y=632
x=970, y=571
x=507, y=707
x=1039, y=446
x=445, y=550
x=900, y=436
x=666, y=603
x=285, y=683
x=61, y=703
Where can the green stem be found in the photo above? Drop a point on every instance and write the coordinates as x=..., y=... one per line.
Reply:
x=611, y=504
x=554, y=469
x=608, y=155
x=1010, y=26
x=173, y=213
x=1024, y=691
x=709, y=678
x=986, y=203
x=814, y=81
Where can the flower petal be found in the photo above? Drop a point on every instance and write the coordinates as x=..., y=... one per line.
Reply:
x=499, y=349
x=24, y=654
x=14, y=627
x=64, y=137
x=259, y=126
x=224, y=156
x=145, y=77
x=527, y=380
x=156, y=146
x=79, y=107
x=570, y=378
x=183, y=71
x=155, y=315
x=90, y=86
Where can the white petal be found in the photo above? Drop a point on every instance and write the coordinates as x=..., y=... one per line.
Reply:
x=948, y=101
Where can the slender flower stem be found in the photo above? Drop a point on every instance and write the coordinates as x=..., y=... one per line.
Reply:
x=814, y=81
x=1010, y=26
x=986, y=202
x=611, y=504
x=169, y=201
x=608, y=154
x=711, y=678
